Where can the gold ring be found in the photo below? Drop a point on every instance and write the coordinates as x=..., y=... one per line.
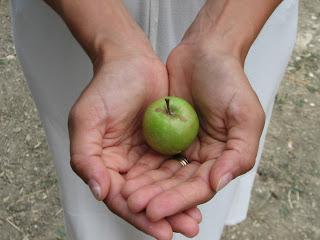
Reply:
x=182, y=160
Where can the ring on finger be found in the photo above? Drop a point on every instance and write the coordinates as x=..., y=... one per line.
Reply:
x=181, y=159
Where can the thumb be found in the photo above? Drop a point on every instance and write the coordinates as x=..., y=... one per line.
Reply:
x=228, y=166
x=239, y=156
x=86, y=133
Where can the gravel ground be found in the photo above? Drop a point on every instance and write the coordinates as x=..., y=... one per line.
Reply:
x=286, y=196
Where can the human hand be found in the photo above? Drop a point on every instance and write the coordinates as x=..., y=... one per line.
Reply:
x=231, y=123
x=106, y=137
x=106, y=144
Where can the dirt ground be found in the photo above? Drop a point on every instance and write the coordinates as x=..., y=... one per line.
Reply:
x=286, y=197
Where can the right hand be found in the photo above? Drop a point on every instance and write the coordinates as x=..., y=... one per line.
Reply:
x=106, y=138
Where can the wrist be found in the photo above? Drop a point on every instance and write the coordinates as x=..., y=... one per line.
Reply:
x=133, y=52
x=123, y=38
x=104, y=28
x=106, y=49
x=229, y=27
x=218, y=33
x=215, y=45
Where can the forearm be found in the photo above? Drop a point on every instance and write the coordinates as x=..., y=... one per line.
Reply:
x=102, y=27
x=231, y=25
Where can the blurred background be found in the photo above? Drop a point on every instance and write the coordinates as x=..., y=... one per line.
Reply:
x=286, y=196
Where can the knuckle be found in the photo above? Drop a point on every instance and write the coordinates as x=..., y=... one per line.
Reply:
x=246, y=159
x=74, y=114
x=252, y=113
x=240, y=113
x=250, y=165
x=78, y=167
x=261, y=115
x=74, y=165
x=247, y=165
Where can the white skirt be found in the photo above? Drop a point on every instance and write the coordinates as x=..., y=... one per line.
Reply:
x=57, y=69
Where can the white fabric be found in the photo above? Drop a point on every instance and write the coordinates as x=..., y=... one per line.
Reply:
x=57, y=69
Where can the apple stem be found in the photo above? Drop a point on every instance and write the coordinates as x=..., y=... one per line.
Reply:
x=168, y=106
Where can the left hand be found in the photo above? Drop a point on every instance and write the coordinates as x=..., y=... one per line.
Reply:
x=231, y=123
x=106, y=140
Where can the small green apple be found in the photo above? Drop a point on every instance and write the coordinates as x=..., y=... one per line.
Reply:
x=170, y=125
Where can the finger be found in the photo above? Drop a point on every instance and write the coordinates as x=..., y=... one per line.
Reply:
x=184, y=224
x=167, y=169
x=140, y=199
x=192, y=192
x=160, y=230
x=195, y=213
x=149, y=161
x=228, y=166
x=85, y=151
x=239, y=156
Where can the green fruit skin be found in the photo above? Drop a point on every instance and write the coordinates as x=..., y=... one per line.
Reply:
x=170, y=134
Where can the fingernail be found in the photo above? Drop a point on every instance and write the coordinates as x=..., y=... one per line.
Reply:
x=95, y=189
x=224, y=180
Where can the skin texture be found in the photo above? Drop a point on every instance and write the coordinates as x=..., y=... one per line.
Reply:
x=108, y=152
x=106, y=134
x=206, y=69
x=228, y=139
x=170, y=133
x=105, y=123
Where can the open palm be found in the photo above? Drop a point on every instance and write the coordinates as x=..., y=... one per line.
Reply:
x=106, y=138
x=231, y=123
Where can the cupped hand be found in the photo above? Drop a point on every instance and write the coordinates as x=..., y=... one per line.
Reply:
x=106, y=138
x=231, y=123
